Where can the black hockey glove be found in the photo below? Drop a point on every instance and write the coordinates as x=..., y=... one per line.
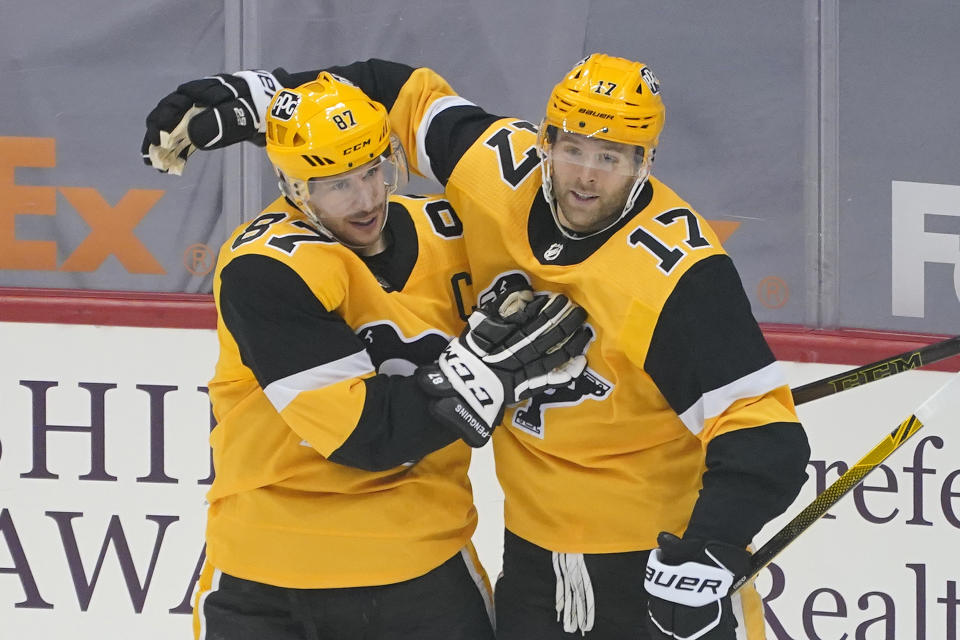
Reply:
x=208, y=113
x=514, y=347
x=688, y=583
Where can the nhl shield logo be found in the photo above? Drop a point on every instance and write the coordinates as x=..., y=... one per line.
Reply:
x=553, y=251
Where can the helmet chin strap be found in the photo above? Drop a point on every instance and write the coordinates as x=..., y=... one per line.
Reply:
x=547, y=187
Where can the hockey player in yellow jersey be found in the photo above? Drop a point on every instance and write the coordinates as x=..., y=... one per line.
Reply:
x=652, y=472
x=341, y=506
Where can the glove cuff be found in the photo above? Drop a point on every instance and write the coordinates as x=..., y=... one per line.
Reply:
x=693, y=584
x=450, y=409
x=263, y=85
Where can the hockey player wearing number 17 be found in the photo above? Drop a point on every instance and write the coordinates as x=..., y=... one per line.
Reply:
x=341, y=506
x=630, y=498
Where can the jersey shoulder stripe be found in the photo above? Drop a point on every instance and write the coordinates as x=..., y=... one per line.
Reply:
x=714, y=402
x=424, y=162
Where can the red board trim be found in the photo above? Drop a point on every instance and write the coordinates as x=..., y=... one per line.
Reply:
x=111, y=308
x=848, y=346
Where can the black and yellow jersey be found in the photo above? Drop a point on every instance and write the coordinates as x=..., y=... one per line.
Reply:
x=663, y=429
x=329, y=470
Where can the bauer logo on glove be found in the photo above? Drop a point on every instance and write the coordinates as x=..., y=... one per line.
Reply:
x=688, y=582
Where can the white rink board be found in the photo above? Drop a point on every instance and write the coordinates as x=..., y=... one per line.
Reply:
x=848, y=575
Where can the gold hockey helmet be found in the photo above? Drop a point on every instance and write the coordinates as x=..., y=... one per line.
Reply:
x=326, y=135
x=610, y=98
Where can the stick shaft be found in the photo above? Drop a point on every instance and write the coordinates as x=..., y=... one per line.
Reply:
x=877, y=370
x=937, y=404
x=823, y=502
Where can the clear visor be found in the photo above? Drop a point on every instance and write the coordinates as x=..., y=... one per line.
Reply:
x=358, y=190
x=573, y=149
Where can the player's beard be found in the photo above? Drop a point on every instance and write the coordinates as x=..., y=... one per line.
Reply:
x=583, y=207
x=361, y=231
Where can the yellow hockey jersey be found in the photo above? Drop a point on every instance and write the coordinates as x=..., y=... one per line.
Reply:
x=329, y=471
x=641, y=443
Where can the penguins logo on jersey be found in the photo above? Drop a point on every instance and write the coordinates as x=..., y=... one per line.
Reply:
x=589, y=386
x=394, y=354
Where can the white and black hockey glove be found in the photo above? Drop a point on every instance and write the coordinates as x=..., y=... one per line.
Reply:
x=514, y=347
x=688, y=585
x=208, y=113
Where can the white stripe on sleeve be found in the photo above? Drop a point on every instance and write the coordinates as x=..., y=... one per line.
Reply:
x=715, y=402
x=282, y=392
x=438, y=105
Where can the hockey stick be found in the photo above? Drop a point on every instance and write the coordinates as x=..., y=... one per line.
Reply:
x=854, y=475
x=876, y=370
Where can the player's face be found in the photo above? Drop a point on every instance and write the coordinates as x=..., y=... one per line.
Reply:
x=591, y=179
x=352, y=205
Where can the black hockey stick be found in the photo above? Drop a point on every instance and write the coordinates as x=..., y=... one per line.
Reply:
x=877, y=370
x=854, y=475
